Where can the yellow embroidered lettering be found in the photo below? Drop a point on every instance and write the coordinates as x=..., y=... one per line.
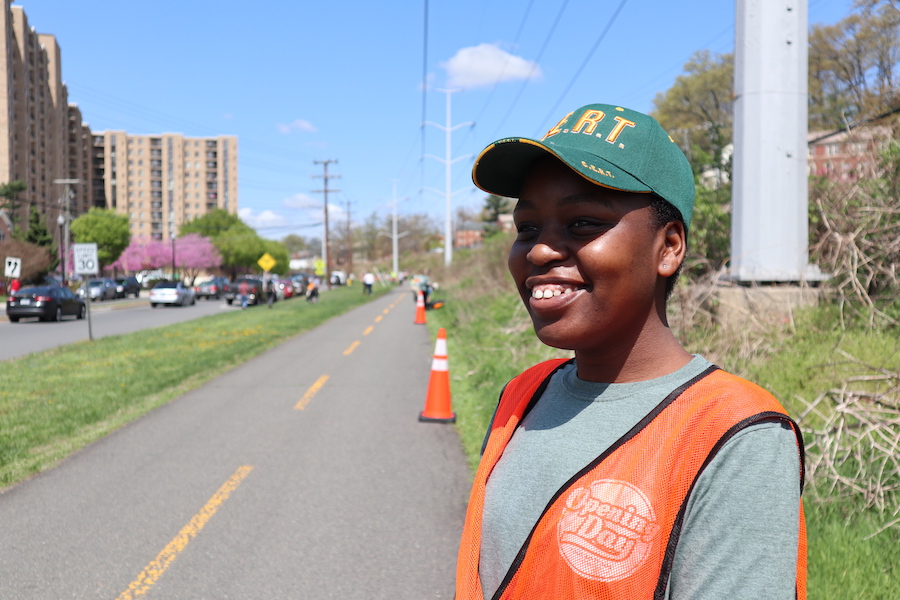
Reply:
x=620, y=125
x=556, y=128
x=590, y=118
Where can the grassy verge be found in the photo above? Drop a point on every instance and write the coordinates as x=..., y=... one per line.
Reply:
x=55, y=402
x=490, y=340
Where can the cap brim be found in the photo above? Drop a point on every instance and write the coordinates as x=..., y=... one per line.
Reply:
x=501, y=168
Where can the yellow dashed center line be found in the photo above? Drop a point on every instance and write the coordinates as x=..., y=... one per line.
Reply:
x=153, y=571
x=311, y=392
x=368, y=330
x=351, y=348
x=379, y=318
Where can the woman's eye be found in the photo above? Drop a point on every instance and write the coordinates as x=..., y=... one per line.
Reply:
x=586, y=224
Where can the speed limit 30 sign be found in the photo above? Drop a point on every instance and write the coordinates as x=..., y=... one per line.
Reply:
x=86, y=259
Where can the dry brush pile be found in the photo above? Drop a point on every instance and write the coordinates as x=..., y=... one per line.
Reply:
x=852, y=438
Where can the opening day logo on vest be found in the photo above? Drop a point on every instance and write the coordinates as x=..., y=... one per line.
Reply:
x=606, y=530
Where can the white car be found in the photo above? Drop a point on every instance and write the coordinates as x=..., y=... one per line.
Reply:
x=172, y=292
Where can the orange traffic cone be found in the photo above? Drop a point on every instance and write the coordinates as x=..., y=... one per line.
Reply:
x=437, y=403
x=420, y=309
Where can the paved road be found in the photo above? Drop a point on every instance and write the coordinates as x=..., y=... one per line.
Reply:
x=107, y=318
x=302, y=474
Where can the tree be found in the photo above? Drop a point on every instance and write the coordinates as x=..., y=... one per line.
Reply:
x=9, y=201
x=240, y=247
x=106, y=229
x=494, y=206
x=195, y=253
x=212, y=224
x=852, y=65
x=296, y=243
x=698, y=110
x=238, y=244
x=36, y=260
x=142, y=255
x=37, y=232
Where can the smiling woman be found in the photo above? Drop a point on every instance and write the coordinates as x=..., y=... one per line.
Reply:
x=620, y=473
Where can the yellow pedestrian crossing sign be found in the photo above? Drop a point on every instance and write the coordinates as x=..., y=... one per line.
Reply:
x=320, y=267
x=266, y=262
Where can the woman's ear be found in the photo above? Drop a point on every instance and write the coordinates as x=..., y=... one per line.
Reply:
x=674, y=248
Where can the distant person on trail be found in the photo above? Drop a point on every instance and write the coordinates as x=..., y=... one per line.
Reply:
x=244, y=293
x=312, y=290
x=368, y=282
x=634, y=469
x=270, y=293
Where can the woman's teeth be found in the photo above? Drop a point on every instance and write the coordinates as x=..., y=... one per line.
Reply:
x=539, y=294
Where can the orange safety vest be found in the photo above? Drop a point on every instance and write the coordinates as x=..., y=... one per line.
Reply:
x=610, y=533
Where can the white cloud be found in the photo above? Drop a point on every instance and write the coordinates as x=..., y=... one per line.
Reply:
x=301, y=201
x=487, y=64
x=262, y=220
x=298, y=125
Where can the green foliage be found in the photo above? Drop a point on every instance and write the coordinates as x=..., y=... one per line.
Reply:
x=709, y=238
x=238, y=243
x=494, y=206
x=280, y=254
x=37, y=232
x=9, y=200
x=212, y=224
x=697, y=109
x=105, y=228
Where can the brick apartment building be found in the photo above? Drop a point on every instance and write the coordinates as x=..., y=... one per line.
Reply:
x=42, y=137
x=158, y=181
x=162, y=181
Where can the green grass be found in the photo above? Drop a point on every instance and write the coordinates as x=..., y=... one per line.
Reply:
x=55, y=402
x=490, y=340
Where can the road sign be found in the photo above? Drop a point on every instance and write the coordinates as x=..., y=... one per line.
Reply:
x=86, y=262
x=266, y=262
x=320, y=267
x=13, y=267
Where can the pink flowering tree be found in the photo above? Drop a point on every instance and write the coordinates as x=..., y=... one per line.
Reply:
x=143, y=254
x=194, y=254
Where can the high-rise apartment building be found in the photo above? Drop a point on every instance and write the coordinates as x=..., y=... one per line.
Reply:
x=158, y=181
x=162, y=181
x=42, y=138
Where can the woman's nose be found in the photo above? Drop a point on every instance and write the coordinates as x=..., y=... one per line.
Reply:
x=546, y=250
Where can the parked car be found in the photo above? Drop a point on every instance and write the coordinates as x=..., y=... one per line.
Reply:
x=126, y=286
x=257, y=291
x=47, y=303
x=287, y=288
x=171, y=292
x=214, y=288
x=101, y=289
x=338, y=278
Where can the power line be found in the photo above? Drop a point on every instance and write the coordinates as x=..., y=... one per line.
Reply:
x=587, y=59
x=537, y=60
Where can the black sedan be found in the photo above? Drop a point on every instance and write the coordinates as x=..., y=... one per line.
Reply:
x=47, y=303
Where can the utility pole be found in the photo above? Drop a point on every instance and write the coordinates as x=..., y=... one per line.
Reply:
x=326, y=257
x=448, y=163
x=68, y=200
x=394, y=235
x=349, y=243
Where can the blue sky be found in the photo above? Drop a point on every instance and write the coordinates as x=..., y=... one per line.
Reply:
x=301, y=81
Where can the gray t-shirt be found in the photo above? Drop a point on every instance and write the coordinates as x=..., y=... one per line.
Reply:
x=739, y=539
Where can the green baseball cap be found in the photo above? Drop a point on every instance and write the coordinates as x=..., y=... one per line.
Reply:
x=611, y=146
